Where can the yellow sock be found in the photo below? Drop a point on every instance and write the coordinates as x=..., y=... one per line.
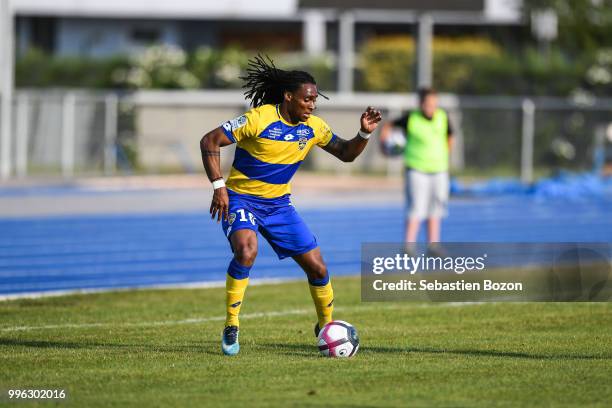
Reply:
x=323, y=298
x=234, y=293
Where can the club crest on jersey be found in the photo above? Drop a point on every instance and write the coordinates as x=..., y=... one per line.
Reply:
x=302, y=142
x=232, y=218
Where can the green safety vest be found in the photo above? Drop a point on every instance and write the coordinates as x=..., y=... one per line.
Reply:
x=427, y=142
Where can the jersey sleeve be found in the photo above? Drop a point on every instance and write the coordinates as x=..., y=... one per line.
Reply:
x=449, y=126
x=324, y=134
x=401, y=122
x=242, y=127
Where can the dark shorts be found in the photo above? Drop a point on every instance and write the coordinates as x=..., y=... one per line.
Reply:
x=276, y=220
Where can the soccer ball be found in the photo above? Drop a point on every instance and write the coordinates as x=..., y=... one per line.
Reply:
x=338, y=339
x=395, y=143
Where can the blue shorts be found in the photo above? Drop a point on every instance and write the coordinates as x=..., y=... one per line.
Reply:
x=276, y=220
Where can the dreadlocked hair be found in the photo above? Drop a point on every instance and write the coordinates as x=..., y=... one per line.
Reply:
x=266, y=84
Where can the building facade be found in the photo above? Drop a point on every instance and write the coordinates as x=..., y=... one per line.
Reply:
x=101, y=28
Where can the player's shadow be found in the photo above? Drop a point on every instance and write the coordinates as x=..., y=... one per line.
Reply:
x=204, y=347
x=483, y=353
x=304, y=350
x=308, y=350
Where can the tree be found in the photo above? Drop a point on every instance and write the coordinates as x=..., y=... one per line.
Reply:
x=584, y=25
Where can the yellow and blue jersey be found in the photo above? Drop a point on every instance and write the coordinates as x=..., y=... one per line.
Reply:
x=269, y=150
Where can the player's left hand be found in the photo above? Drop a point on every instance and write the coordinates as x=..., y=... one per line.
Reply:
x=370, y=119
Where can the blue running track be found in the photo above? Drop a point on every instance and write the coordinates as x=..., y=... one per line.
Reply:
x=47, y=254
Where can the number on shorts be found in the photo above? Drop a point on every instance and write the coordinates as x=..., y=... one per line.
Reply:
x=243, y=216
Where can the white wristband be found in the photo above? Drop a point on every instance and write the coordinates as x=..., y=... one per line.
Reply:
x=364, y=134
x=218, y=184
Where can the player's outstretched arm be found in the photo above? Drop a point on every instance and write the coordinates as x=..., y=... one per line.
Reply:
x=210, y=147
x=348, y=150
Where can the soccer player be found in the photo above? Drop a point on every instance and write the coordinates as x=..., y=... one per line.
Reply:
x=272, y=139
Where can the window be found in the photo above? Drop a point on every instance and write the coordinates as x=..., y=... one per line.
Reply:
x=145, y=35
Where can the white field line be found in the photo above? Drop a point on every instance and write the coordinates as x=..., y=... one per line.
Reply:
x=163, y=286
x=221, y=318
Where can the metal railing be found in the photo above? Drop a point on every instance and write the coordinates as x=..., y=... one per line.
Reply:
x=75, y=132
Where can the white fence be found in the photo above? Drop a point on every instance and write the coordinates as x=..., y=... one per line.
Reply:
x=64, y=132
x=74, y=133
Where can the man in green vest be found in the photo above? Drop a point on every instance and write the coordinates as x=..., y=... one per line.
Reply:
x=426, y=149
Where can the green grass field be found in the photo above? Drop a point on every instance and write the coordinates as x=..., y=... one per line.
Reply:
x=162, y=348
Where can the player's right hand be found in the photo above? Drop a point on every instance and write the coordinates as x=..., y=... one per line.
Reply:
x=219, y=207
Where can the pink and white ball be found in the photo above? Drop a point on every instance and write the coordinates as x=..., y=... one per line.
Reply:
x=338, y=339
